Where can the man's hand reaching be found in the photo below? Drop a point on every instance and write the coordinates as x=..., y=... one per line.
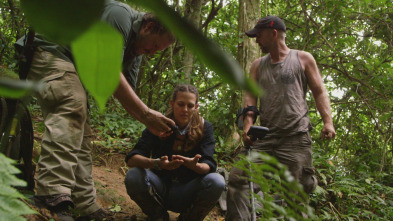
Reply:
x=157, y=123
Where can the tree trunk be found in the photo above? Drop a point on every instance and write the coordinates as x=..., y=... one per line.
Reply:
x=193, y=15
x=248, y=50
x=15, y=20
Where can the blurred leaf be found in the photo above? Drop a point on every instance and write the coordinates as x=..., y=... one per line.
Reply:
x=274, y=180
x=14, y=207
x=320, y=191
x=11, y=207
x=62, y=21
x=98, y=56
x=17, y=88
x=208, y=52
x=6, y=165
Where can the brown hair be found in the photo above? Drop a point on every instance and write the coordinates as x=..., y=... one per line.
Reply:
x=195, y=129
x=158, y=27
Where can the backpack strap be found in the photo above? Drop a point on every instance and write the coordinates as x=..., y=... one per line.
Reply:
x=25, y=56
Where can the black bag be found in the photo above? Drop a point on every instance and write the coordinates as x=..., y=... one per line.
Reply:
x=25, y=54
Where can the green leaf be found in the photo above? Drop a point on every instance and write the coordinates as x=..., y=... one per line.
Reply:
x=14, y=206
x=62, y=21
x=208, y=52
x=6, y=165
x=8, y=191
x=11, y=207
x=98, y=56
x=17, y=88
x=5, y=216
x=116, y=208
x=9, y=179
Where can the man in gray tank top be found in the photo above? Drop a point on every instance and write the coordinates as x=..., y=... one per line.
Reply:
x=284, y=74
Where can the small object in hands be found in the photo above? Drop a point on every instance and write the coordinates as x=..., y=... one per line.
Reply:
x=178, y=131
x=155, y=164
x=257, y=132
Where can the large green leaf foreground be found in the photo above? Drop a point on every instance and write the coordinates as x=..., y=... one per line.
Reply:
x=62, y=21
x=98, y=56
x=79, y=31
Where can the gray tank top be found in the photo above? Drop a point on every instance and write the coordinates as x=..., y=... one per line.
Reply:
x=283, y=105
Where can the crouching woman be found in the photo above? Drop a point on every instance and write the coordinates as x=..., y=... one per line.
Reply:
x=176, y=173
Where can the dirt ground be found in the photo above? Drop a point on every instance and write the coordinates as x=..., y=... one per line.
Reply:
x=108, y=173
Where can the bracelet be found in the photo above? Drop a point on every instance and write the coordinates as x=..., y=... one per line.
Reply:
x=155, y=164
x=255, y=111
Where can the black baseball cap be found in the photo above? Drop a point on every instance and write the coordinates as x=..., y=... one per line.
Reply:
x=266, y=22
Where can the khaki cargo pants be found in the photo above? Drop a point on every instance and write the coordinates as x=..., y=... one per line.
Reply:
x=294, y=151
x=65, y=163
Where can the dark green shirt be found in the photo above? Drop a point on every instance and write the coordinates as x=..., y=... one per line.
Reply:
x=128, y=22
x=124, y=19
x=150, y=145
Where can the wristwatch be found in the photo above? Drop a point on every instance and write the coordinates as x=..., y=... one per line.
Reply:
x=155, y=164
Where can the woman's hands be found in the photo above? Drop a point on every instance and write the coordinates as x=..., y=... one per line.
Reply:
x=164, y=163
x=188, y=162
x=178, y=160
x=192, y=163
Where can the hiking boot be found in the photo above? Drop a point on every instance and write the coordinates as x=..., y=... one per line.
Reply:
x=63, y=214
x=98, y=215
x=59, y=205
x=151, y=206
x=197, y=212
x=52, y=201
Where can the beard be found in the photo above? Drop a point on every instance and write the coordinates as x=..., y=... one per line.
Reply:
x=265, y=49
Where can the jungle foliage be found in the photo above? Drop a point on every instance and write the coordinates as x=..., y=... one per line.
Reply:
x=352, y=42
x=11, y=206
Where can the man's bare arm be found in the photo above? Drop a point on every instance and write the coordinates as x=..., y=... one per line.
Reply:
x=319, y=93
x=154, y=121
x=250, y=100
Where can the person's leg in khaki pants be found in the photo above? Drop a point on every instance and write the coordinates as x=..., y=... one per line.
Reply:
x=65, y=161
